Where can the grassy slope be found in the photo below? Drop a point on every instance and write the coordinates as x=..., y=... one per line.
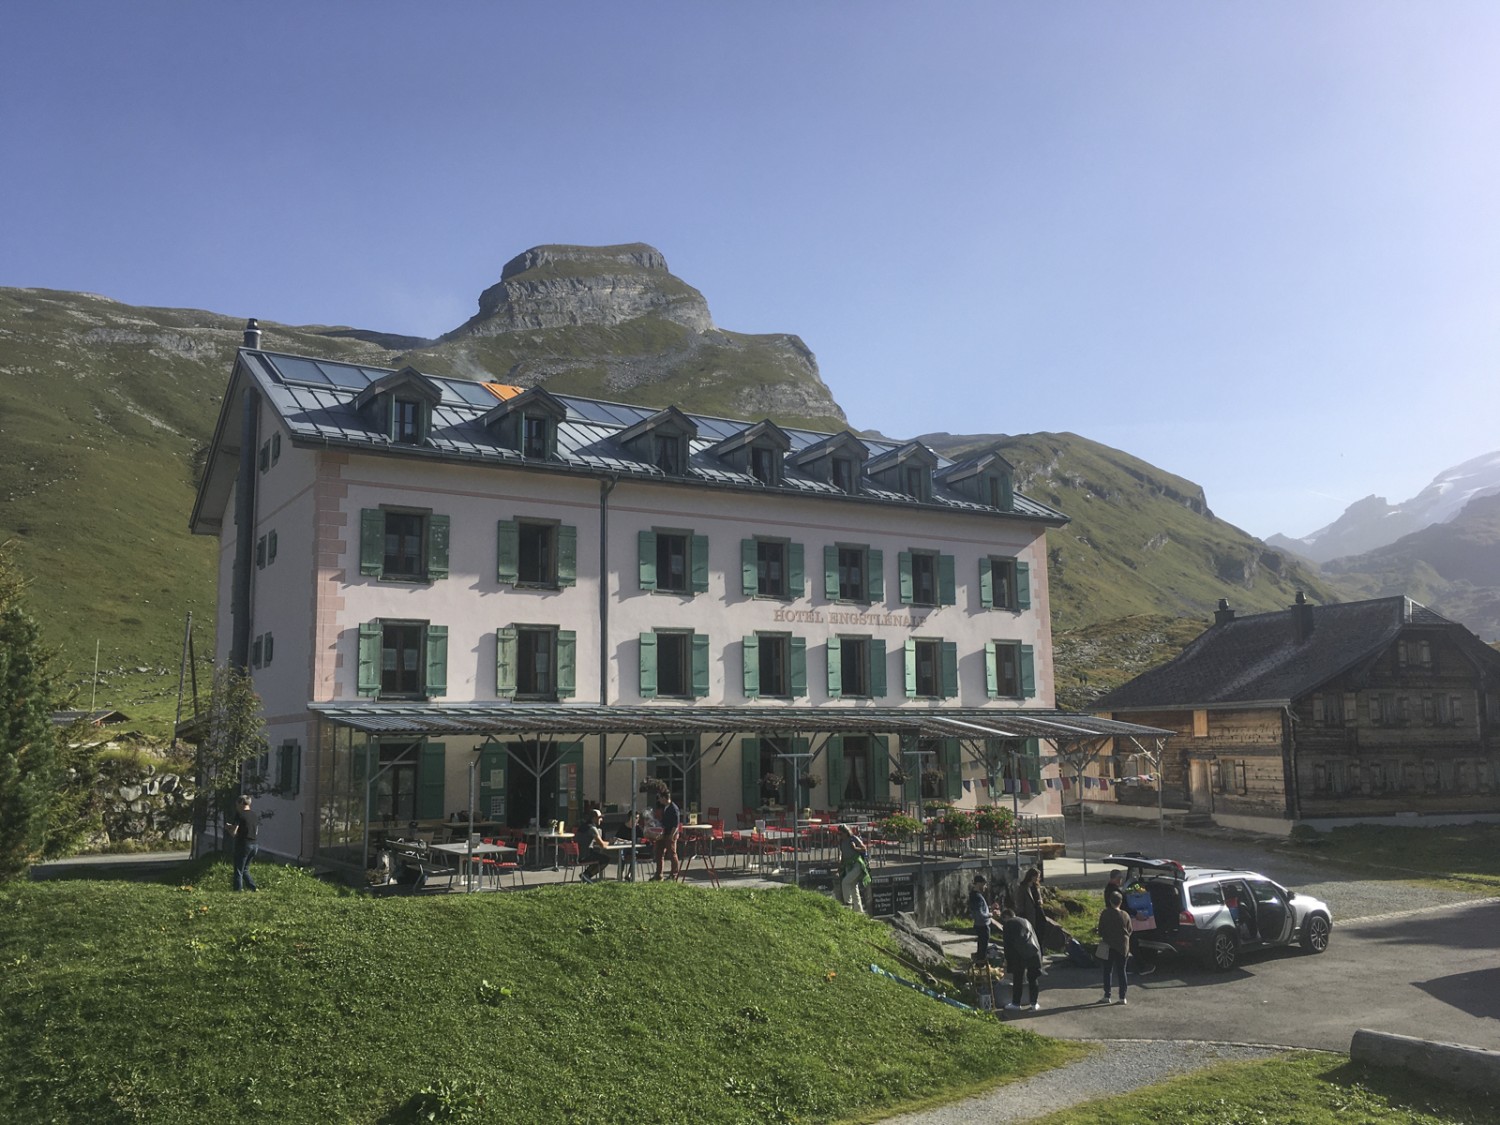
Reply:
x=128, y=1002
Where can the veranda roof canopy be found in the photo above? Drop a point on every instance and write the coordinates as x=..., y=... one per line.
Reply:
x=395, y=719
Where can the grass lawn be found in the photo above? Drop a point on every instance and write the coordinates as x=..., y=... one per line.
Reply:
x=1294, y=1089
x=127, y=1002
x=1459, y=857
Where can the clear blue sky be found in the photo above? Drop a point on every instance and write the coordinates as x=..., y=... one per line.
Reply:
x=1257, y=245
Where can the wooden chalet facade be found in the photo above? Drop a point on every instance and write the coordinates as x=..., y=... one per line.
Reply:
x=1320, y=714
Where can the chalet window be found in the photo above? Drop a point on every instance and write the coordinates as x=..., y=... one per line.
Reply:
x=403, y=659
x=1430, y=779
x=674, y=663
x=270, y=548
x=775, y=665
x=998, y=492
x=854, y=666
x=1414, y=654
x=931, y=668
x=843, y=472
x=771, y=568
x=1009, y=670
x=263, y=460
x=1320, y=780
x=673, y=562
x=260, y=553
x=927, y=578
x=536, y=553
x=403, y=544
x=256, y=650
x=536, y=662
x=393, y=795
x=406, y=421
x=852, y=573
x=1004, y=583
x=1429, y=710
x=289, y=769
x=857, y=773
x=915, y=481
x=1200, y=724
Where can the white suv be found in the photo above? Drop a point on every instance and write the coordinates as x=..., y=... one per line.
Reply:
x=1216, y=913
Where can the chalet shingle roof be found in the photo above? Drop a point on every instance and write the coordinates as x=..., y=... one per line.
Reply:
x=1260, y=658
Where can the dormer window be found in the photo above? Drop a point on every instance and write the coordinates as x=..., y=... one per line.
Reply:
x=662, y=440
x=667, y=454
x=765, y=464
x=536, y=437
x=998, y=491
x=987, y=479
x=906, y=470
x=526, y=421
x=843, y=474
x=406, y=421
x=914, y=480
x=399, y=406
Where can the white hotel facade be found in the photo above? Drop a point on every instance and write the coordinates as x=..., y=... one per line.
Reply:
x=455, y=594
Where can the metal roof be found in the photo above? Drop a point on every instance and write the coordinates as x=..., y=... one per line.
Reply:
x=584, y=718
x=315, y=399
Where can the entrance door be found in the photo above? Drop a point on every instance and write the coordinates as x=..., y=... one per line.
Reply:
x=1200, y=786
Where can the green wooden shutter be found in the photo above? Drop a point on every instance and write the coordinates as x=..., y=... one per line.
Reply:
x=567, y=555
x=991, y=670
x=798, y=648
x=255, y=652
x=437, y=546
x=700, y=665
x=567, y=663
x=648, y=665
x=1028, y=672
x=750, y=772
x=371, y=541
x=986, y=584
x=949, y=650
x=749, y=568
x=507, y=655
x=953, y=769
x=437, y=661
x=296, y=778
x=1034, y=760
x=1023, y=585
x=431, y=767
x=795, y=583
x=700, y=563
x=834, y=749
x=260, y=553
x=831, y=573
x=877, y=667
x=903, y=571
x=270, y=548
x=947, y=581
x=507, y=551
x=646, y=550
x=270, y=647
x=875, y=563
x=835, y=651
x=911, y=668
x=283, y=767
x=369, y=658
x=751, y=662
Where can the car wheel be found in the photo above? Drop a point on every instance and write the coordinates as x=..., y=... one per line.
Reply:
x=1225, y=950
x=1315, y=933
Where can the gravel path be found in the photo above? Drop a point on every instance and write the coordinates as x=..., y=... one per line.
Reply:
x=1122, y=1064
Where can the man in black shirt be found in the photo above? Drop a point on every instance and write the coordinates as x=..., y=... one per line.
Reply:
x=244, y=828
x=669, y=816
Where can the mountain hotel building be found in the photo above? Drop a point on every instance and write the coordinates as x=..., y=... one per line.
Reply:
x=457, y=594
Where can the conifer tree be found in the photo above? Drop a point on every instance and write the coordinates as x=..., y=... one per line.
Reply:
x=29, y=769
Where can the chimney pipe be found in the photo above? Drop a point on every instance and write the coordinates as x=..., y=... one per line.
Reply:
x=1223, y=615
x=1302, y=617
x=252, y=333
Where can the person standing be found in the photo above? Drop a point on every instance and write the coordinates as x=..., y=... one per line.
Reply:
x=245, y=828
x=979, y=911
x=669, y=816
x=1029, y=901
x=1023, y=953
x=1114, y=934
x=854, y=867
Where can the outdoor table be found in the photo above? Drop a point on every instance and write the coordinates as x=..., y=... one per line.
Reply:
x=618, y=851
x=542, y=837
x=464, y=850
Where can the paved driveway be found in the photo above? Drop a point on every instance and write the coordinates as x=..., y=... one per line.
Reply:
x=1403, y=959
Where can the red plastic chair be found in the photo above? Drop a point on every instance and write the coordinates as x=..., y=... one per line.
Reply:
x=516, y=867
x=567, y=856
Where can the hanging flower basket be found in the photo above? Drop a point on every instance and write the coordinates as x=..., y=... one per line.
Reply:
x=808, y=781
x=899, y=777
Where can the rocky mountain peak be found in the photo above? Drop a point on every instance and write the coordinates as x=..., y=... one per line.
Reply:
x=599, y=286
